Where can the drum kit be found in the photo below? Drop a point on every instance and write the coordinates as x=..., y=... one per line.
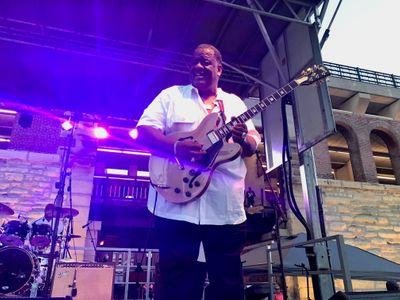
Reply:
x=24, y=249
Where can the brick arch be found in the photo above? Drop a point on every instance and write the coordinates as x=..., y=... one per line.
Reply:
x=352, y=140
x=393, y=147
x=389, y=128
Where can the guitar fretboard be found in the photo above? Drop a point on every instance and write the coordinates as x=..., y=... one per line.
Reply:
x=224, y=130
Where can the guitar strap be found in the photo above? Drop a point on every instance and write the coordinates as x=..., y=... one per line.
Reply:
x=221, y=110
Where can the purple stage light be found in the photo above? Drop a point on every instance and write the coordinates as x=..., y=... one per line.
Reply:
x=133, y=133
x=100, y=132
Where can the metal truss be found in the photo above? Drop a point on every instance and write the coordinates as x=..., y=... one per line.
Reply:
x=60, y=39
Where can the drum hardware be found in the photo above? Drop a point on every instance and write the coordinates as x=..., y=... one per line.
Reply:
x=73, y=236
x=64, y=212
x=41, y=234
x=5, y=210
x=14, y=233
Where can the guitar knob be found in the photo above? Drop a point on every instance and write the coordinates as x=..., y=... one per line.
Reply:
x=188, y=194
x=177, y=190
x=185, y=179
x=196, y=183
x=192, y=172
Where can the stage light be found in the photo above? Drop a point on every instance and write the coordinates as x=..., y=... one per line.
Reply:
x=133, y=133
x=100, y=132
x=67, y=124
x=7, y=111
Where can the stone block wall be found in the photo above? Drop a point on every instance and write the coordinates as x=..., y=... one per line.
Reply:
x=31, y=167
x=366, y=214
x=27, y=181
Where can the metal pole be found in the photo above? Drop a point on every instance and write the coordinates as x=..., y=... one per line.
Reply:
x=322, y=284
x=269, y=263
x=58, y=203
x=149, y=256
x=343, y=264
x=128, y=271
x=268, y=41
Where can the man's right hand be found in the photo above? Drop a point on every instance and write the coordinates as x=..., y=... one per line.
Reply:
x=189, y=150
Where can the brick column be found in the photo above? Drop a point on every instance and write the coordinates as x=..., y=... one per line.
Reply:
x=367, y=170
x=322, y=160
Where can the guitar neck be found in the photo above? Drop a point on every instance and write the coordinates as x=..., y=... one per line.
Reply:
x=224, y=130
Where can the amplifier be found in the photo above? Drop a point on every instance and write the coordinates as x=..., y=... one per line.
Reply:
x=93, y=280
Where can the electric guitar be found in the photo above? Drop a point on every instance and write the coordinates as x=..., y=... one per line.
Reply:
x=182, y=181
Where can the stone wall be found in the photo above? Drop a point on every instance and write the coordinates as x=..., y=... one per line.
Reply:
x=31, y=167
x=27, y=181
x=366, y=214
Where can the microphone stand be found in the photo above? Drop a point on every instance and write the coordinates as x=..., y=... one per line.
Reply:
x=70, y=226
x=91, y=238
x=58, y=202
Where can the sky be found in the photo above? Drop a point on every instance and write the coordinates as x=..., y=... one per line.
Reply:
x=364, y=34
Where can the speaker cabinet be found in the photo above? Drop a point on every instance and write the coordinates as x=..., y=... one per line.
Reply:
x=93, y=280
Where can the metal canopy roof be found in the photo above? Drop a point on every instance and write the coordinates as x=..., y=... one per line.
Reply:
x=113, y=57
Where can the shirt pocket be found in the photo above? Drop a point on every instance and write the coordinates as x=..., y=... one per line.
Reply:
x=182, y=120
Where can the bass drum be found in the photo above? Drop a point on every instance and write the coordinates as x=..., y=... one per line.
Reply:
x=18, y=269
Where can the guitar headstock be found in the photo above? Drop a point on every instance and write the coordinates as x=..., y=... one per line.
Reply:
x=312, y=74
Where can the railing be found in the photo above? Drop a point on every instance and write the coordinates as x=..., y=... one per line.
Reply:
x=107, y=187
x=363, y=75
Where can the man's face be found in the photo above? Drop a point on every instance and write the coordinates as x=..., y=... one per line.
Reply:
x=205, y=70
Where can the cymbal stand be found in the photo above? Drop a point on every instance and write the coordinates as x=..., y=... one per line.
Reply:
x=70, y=226
x=58, y=202
x=92, y=241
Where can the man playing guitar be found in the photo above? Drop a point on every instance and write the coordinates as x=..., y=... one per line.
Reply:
x=194, y=214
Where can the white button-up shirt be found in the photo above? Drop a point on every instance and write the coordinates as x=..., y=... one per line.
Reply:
x=180, y=109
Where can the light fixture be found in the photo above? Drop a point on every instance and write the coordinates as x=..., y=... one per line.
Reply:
x=67, y=124
x=133, y=133
x=120, y=151
x=100, y=132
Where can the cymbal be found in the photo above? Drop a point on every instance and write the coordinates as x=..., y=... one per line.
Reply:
x=255, y=209
x=5, y=210
x=65, y=212
x=74, y=236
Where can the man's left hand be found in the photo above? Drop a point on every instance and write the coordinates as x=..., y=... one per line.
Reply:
x=239, y=133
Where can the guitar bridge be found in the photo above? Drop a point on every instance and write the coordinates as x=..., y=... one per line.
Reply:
x=160, y=186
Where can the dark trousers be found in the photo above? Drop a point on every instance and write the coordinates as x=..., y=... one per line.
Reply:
x=182, y=277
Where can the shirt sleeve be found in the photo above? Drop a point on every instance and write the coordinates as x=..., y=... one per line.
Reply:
x=155, y=114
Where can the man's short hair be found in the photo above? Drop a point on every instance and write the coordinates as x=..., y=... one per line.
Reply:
x=217, y=54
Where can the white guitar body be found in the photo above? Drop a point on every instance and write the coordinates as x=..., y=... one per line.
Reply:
x=180, y=183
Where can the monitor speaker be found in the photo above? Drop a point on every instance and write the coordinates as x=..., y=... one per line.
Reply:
x=93, y=280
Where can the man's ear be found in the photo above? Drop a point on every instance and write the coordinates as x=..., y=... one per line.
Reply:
x=219, y=70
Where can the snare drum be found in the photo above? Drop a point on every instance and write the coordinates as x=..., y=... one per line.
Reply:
x=18, y=270
x=41, y=235
x=14, y=233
